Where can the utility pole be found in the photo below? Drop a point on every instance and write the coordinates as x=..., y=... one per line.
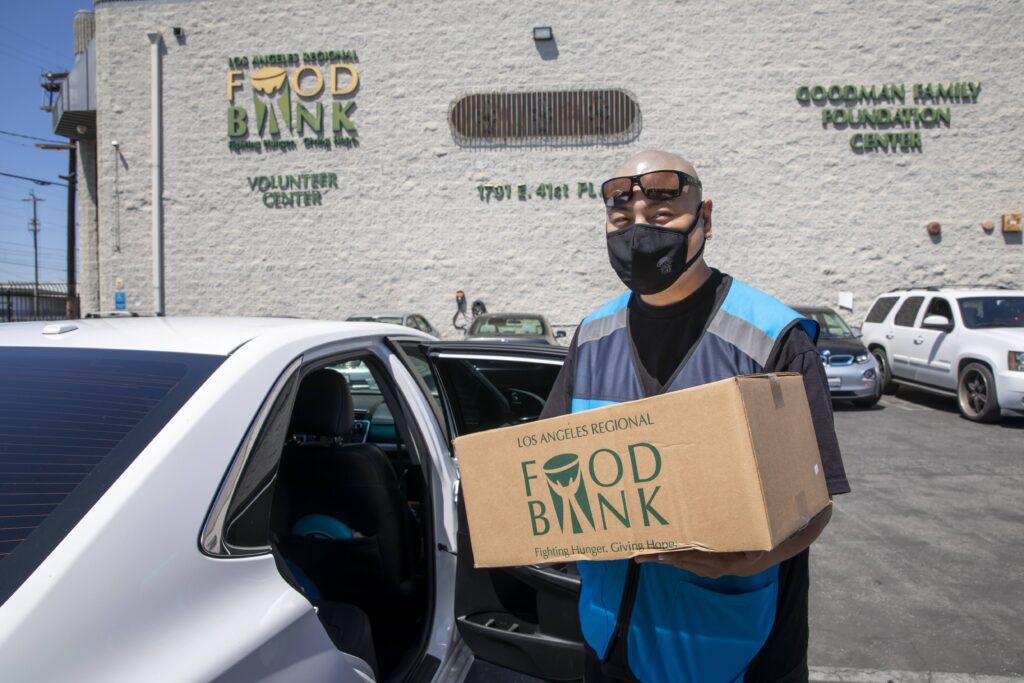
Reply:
x=34, y=229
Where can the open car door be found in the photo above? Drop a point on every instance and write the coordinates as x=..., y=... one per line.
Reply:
x=520, y=618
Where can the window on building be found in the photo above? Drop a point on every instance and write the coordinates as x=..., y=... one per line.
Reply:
x=566, y=117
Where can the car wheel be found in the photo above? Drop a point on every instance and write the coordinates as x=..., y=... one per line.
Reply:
x=976, y=394
x=885, y=383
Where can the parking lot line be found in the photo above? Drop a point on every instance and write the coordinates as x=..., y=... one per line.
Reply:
x=823, y=674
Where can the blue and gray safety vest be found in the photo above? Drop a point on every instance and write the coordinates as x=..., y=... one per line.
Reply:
x=678, y=626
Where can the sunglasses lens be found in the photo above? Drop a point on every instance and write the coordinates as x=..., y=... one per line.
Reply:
x=616, y=191
x=661, y=185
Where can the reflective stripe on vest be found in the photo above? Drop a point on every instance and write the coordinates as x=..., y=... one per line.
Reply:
x=684, y=627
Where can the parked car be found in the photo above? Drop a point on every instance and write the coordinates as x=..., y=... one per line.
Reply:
x=852, y=371
x=413, y=320
x=528, y=328
x=259, y=499
x=962, y=342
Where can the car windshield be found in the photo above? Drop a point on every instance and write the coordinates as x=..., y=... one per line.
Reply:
x=992, y=311
x=507, y=326
x=390, y=319
x=360, y=379
x=71, y=421
x=832, y=326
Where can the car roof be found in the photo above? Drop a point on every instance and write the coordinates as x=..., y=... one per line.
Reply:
x=958, y=291
x=216, y=336
x=383, y=314
x=510, y=315
x=813, y=309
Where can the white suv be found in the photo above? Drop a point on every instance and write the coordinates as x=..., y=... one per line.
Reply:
x=964, y=342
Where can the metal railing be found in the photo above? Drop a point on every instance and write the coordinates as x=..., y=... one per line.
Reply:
x=21, y=301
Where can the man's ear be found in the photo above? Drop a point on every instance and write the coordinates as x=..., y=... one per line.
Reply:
x=706, y=214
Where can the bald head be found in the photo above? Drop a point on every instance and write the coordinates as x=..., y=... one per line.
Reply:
x=654, y=160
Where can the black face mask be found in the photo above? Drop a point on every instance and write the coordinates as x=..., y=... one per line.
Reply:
x=649, y=258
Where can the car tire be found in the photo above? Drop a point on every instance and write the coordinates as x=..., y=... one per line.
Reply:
x=976, y=394
x=885, y=383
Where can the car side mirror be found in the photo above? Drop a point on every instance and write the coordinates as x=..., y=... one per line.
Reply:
x=560, y=334
x=856, y=332
x=937, y=322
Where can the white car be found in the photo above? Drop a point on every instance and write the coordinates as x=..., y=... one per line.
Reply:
x=966, y=343
x=212, y=499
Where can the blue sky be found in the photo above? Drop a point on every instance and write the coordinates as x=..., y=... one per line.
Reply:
x=34, y=37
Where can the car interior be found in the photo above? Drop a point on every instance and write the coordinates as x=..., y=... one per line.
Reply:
x=349, y=521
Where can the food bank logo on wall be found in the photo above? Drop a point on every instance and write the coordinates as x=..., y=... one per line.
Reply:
x=293, y=99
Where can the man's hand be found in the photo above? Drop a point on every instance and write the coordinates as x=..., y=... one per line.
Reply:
x=716, y=565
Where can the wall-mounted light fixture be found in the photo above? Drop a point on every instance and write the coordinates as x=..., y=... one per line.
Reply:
x=934, y=228
x=541, y=33
x=178, y=31
x=987, y=225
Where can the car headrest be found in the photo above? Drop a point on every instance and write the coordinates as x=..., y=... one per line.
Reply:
x=323, y=406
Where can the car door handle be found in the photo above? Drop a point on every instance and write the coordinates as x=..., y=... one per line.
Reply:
x=919, y=341
x=889, y=335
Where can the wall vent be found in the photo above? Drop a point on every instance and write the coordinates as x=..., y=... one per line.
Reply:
x=561, y=117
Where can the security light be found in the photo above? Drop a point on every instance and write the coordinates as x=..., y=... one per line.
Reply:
x=543, y=33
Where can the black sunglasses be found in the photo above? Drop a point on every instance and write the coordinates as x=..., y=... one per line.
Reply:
x=656, y=185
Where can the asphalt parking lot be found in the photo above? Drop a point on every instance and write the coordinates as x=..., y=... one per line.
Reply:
x=920, y=575
x=922, y=567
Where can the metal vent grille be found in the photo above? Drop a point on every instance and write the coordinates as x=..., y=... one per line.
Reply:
x=564, y=117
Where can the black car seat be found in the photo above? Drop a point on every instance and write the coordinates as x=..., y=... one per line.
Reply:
x=338, y=511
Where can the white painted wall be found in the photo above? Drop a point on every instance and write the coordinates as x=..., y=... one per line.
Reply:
x=797, y=213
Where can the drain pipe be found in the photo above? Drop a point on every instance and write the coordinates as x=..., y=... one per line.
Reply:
x=157, y=156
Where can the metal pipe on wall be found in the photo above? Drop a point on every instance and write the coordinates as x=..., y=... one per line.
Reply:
x=157, y=157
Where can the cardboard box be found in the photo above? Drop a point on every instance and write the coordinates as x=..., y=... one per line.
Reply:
x=728, y=466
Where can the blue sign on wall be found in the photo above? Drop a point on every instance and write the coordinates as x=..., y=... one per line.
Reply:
x=119, y=301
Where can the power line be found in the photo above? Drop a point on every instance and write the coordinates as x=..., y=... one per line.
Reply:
x=32, y=137
x=36, y=45
x=37, y=181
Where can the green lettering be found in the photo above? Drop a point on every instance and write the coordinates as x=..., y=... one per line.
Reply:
x=526, y=475
x=603, y=504
x=340, y=116
x=636, y=468
x=237, y=122
x=537, y=515
x=646, y=507
x=308, y=118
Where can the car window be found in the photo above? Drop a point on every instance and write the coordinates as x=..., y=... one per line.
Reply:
x=832, y=326
x=992, y=311
x=488, y=393
x=881, y=309
x=249, y=510
x=71, y=421
x=908, y=311
x=938, y=306
x=418, y=363
x=500, y=326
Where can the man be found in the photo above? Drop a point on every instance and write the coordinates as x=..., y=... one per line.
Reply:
x=689, y=615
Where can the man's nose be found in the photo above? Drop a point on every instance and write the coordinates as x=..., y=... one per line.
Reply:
x=640, y=205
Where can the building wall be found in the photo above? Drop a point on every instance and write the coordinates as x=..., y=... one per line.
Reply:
x=797, y=212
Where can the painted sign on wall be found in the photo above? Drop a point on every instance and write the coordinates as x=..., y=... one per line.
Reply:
x=288, y=106
x=879, y=116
